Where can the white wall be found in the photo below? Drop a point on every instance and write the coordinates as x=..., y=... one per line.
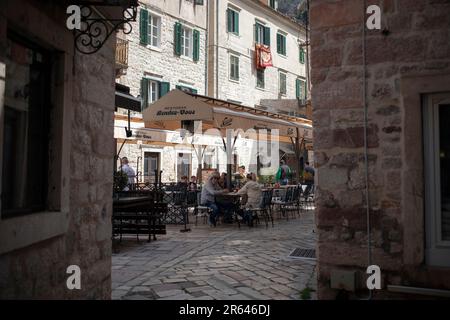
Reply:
x=245, y=90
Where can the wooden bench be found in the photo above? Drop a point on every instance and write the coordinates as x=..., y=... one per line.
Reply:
x=137, y=217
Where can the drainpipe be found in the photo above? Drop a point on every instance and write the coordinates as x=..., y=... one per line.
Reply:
x=206, y=48
x=217, y=50
x=366, y=161
x=308, y=78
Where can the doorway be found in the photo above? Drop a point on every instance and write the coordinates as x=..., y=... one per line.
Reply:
x=151, y=164
x=183, y=165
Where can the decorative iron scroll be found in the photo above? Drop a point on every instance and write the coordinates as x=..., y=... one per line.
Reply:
x=95, y=30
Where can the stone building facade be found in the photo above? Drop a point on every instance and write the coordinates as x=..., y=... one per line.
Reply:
x=232, y=37
x=156, y=58
x=65, y=218
x=159, y=62
x=406, y=70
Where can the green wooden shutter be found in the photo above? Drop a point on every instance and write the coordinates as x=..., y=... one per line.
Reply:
x=143, y=27
x=297, y=88
x=236, y=22
x=267, y=36
x=229, y=20
x=196, y=51
x=177, y=39
x=164, y=88
x=284, y=39
x=144, y=93
x=302, y=55
x=278, y=43
x=256, y=32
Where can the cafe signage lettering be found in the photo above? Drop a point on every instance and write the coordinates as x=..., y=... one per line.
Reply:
x=175, y=111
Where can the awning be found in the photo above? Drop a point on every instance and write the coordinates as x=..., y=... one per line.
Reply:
x=177, y=106
x=125, y=100
x=286, y=149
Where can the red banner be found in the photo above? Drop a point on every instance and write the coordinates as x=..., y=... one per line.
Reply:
x=263, y=56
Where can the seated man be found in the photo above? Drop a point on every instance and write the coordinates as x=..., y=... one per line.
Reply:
x=209, y=190
x=252, y=190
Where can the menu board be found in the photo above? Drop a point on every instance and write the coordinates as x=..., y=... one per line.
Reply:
x=206, y=173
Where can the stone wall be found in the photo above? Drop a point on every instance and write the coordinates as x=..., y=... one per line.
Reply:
x=37, y=248
x=417, y=45
x=161, y=63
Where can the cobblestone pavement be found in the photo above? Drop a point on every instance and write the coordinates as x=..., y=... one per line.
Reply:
x=217, y=263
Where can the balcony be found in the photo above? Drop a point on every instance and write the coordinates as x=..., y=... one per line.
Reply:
x=121, y=57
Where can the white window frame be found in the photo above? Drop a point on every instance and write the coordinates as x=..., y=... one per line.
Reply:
x=279, y=83
x=232, y=55
x=187, y=51
x=437, y=251
x=238, y=12
x=151, y=25
x=284, y=34
x=150, y=90
x=264, y=79
x=260, y=39
x=276, y=4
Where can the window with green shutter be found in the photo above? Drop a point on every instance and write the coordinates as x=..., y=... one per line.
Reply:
x=177, y=39
x=187, y=89
x=143, y=26
x=300, y=89
x=262, y=34
x=234, y=67
x=232, y=21
x=196, y=52
x=282, y=83
x=281, y=44
x=302, y=55
x=260, y=83
x=152, y=90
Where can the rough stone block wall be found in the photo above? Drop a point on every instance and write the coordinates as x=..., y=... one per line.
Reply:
x=38, y=271
x=417, y=44
x=162, y=64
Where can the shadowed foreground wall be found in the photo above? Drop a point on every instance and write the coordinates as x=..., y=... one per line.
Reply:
x=37, y=248
x=413, y=59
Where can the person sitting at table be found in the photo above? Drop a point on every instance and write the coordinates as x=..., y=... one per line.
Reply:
x=193, y=183
x=182, y=185
x=209, y=191
x=252, y=189
x=223, y=181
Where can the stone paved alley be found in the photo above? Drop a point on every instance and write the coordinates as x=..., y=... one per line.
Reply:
x=217, y=263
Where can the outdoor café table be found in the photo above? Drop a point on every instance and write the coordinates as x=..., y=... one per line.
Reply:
x=230, y=198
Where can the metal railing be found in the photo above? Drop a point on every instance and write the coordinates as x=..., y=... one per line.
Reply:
x=121, y=54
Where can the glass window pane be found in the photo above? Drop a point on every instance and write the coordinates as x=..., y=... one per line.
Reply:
x=444, y=155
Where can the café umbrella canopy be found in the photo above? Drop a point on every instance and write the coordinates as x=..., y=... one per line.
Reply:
x=178, y=110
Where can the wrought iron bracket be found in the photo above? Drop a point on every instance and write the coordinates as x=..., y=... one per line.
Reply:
x=95, y=29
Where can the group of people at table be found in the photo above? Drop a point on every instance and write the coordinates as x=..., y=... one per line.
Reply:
x=246, y=185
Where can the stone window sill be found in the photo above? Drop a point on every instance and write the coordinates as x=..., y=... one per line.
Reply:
x=260, y=88
x=153, y=48
x=22, y=231
x=233, y=80
x=187, y=58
